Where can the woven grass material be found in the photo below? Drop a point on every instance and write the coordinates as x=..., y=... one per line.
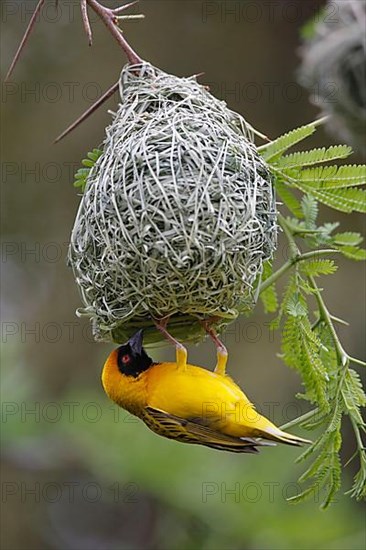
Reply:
x=334, y=69
x=178, y=214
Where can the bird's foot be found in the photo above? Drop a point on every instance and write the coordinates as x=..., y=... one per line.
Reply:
x=180, y=350
x=222, y=353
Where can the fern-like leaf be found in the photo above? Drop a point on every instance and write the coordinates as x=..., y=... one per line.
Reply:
x=269, y=295
x=288, y=198
x=354, y=396
x=315, y=156
x=333, y=177
x=314, y=268
x=310, y=208
x=83, y=173
x=358, y=490
x=344, y=200
x=275, y=149
x=348, y=238
x=353, y=252
x=300, y=348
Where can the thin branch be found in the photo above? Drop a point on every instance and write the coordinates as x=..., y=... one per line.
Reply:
x=129, y=17
x=300, y=419
x=91, y=110
x=291, y=262
x=108, y=17
x=340, y=321
x=296, y=230
x=86, y=22
x=321, y=120
x=25, y=38
x=342, y=355
x=116, y=11
x=357, y=361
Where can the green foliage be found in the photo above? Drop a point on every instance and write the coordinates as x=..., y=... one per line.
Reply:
x=269, y=296
x=83, y=173
x=344, y=200
x=332, y=177
x=314, y=268
x=329, y=383
x=331, y=185
x=349, y=238
x=288, y=198
x=274, y=150
x=309, y=158
x=309, y=339
x=353, y=252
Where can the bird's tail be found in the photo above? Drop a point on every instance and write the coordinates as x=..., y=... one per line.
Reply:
x=275, y=434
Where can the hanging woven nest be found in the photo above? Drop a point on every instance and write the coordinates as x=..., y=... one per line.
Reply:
x=178, y=214
x=334, y=69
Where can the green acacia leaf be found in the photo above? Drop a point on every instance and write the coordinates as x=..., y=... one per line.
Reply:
x=275, y=149
x=315, y=156
x=269, y=296
x=95, y=154
x=344, y=200
x=289, y=199
x=297, y=307
x=353, y=252
x=358, y=490
x=83, y=173
x=333, y=177
x=309, y=206
x=304, y=495
x=87, y=162
x=315, y=268
x=348, y=238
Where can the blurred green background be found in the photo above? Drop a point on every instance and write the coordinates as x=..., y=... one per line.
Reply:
x=78, y=473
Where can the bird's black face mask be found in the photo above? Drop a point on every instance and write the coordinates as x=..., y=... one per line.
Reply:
x=132, y=358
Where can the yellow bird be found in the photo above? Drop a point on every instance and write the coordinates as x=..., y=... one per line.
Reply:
x=188, y=403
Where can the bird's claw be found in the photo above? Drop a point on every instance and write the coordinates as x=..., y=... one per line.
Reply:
x=180, y=350
x=222, y=354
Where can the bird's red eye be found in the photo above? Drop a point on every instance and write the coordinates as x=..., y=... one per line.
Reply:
x=125, y=359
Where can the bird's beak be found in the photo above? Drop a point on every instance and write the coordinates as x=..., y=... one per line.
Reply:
x=136, y=341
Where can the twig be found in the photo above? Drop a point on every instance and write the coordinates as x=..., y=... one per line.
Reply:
x=300, y=419
x=87, y=113
x=108, y=16
x=342, y=355
x=116, y=11
x=129, y=17
x=291, y=262
x=340, y=321
x=25, y=38
x=85, y=18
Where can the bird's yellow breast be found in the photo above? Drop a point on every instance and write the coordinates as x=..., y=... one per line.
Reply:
x=196, y=393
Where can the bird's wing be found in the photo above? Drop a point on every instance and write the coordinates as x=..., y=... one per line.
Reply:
x=192, y=431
